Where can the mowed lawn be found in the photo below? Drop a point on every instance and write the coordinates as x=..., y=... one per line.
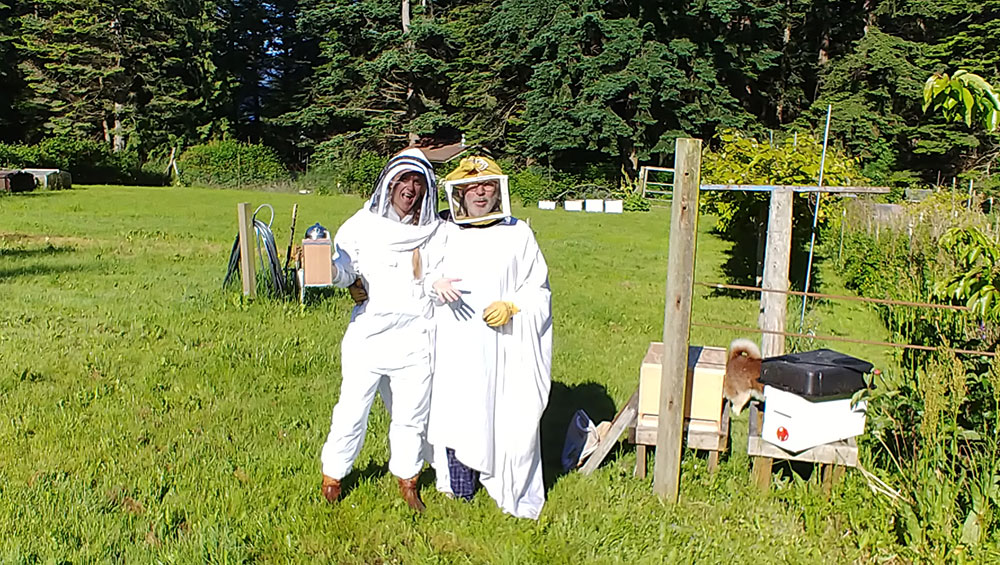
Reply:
x=146, y=415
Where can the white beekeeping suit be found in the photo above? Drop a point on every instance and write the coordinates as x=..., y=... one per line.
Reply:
x=391, y=335
x=491, y=384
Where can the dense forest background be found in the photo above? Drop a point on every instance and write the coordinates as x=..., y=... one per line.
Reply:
x=556, y=84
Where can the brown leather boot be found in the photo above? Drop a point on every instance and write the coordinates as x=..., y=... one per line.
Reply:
x=331, y=489
x=408, y=489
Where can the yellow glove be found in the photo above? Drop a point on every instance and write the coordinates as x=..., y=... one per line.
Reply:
x=499, y=313
x=357, y=291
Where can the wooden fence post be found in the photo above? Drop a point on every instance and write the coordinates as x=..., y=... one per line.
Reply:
x=677, y=317
x=773, y=304
x=247, y=249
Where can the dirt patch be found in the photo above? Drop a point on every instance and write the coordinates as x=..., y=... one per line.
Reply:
x=35, y=239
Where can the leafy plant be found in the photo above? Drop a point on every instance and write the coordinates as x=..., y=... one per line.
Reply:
x=742, y=159
x=963, y=97
x=978, y=278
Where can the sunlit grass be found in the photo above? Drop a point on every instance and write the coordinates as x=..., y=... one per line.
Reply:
x=148, y=415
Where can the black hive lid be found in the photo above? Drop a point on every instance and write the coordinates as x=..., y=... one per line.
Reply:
x=822, y=373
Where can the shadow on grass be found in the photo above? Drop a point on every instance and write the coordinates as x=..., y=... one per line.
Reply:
x=786, y=468
x=35, y=193
x=372, y=471
x=564, y=401
x=39, y=270
x=47, y=251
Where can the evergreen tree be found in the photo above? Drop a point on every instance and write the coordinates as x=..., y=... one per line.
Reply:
x=10, y=127
x=115, y=70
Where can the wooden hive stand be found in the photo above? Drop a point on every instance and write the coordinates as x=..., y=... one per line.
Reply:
x=706, y=414
x=833, y=458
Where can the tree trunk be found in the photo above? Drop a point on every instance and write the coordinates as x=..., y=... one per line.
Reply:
x=119, y=135
x=406, y=16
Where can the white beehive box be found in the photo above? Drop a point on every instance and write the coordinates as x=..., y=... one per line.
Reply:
x=706, y=368
x=594, y=205
x=794, y=423
x=614, y=206
x=573, y=205
x=546, y=205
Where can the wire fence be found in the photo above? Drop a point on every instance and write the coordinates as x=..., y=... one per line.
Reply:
x=729, y=327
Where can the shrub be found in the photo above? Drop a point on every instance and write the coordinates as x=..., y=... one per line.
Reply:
x=358, y=174
x=740, y=159
x=230, y=163
x=89, y=161
x=634, y=202
x=348, y=172
x=529, y=186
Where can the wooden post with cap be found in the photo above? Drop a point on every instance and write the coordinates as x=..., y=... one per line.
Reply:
x=677, y=317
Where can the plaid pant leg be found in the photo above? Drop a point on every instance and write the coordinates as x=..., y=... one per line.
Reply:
x=463, y=479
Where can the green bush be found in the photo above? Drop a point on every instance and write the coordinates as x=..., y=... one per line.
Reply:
x=89, y=161
x=529, y=186
x=741, y=159
x=358, y=174
x=634, y=202
x=229, y=164
x=354, y=174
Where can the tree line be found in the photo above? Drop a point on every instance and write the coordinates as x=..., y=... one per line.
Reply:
x=603, y=84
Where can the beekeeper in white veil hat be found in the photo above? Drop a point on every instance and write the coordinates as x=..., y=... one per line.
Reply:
x=494, y=346
x=391, y=334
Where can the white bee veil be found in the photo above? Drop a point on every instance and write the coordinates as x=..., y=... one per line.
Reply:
x=409, y=160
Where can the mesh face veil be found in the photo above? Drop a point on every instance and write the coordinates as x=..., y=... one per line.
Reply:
x=479, y=199
x=424, y=211
x=477, y=191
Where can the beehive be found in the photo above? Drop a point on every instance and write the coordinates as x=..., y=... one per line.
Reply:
x=703, y=405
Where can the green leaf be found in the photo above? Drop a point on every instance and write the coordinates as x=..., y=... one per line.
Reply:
x=971, y=529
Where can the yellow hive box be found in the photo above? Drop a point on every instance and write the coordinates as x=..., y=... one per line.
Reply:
x=706, y=369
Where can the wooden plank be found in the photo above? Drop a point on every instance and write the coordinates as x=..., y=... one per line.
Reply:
x=713, y=461
x=625, y=418
x=640, y=461
x=831, y=475
x=761, y=472
x=677, y=317
x=248, y=238
x=695, y=439
x=838, y=453
x=797, y=188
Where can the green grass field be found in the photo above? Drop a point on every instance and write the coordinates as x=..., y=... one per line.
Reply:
x=148, y=416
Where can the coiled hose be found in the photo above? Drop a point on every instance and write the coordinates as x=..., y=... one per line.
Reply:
x=270, y=272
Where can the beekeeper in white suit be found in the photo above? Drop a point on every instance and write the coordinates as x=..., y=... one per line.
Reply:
x=494, y=346
x=391, y=334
